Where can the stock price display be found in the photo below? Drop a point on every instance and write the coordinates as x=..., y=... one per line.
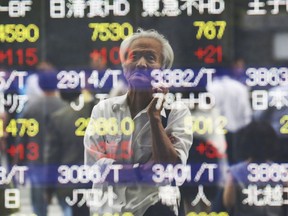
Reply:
x=226, y=108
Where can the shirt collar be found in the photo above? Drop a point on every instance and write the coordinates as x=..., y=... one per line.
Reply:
x=120, y=103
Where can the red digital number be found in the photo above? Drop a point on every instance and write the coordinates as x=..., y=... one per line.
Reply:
x=20, y=57
x=103, y=55
x=126, y=151
x=18, y=151
x=111, y=150
x=31, y=56
x=33, y=151
x=209, y=150
x=209, y=54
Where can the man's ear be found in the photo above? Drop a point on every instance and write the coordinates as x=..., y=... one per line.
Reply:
x=124, y=56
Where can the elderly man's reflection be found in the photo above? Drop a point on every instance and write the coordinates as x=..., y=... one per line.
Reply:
x=153, y=139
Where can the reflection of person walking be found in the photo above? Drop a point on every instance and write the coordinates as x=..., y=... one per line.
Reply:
x=248, y=191
x=64, y=145
x=39, y=109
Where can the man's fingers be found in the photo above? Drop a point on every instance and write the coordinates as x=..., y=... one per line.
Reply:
x=165, y=90
x=161, y=89
x=156, y=103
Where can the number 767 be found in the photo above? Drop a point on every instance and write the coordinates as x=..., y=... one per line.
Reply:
x=209, y=30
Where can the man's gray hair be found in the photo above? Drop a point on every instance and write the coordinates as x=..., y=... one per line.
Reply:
x=167, y=51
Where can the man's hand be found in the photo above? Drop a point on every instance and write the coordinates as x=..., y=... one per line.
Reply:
x=153, y=110
x=163, y=150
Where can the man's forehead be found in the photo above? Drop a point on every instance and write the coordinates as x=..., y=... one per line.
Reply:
x=146, y=43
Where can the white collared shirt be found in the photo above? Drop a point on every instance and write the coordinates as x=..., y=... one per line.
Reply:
x=135, y=198
x=232, y=100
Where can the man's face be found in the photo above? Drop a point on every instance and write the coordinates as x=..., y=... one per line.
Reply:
x=144, y=55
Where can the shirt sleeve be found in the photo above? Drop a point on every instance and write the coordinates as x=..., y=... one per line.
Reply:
x=94, y=144
x=177, y=131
